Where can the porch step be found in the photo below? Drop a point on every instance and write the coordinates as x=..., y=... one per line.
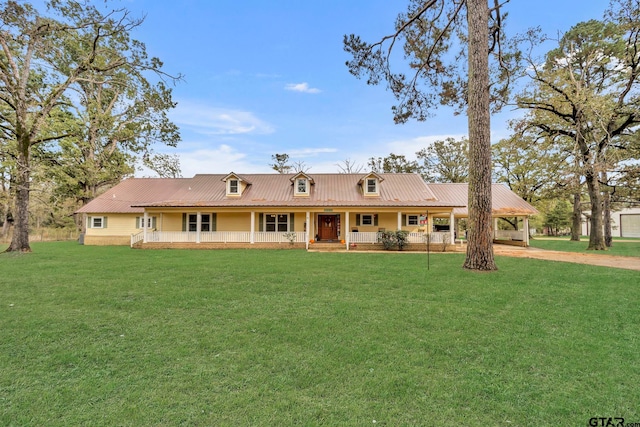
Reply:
x=327, y=246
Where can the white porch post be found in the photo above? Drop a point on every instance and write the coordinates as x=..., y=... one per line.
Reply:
x=144, y=226
x=252, y=236
x=198, y=225
x=308, y=227
x=526, y=230
x=452, y=230
x=347, y=229
x=495, y=228
x=399, y=220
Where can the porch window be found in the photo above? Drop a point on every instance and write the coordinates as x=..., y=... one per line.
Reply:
x=367, y=219
x=412, y=220
x=276, y=222
x=151, y=222
x=205, y=222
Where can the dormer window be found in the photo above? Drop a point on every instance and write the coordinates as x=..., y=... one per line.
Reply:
x=235, y=185
x=371, y=184
x=301, y=184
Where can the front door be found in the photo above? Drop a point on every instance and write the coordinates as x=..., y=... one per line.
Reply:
x=327, y=227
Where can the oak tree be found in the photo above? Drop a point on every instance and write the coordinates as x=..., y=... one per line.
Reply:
x=43, y=62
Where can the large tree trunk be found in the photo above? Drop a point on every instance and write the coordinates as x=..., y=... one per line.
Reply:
x=480, y=244
x=20, y=239
x=576, y=217
x=596, y=237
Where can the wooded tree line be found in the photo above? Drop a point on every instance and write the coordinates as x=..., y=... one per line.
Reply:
x=80, y=104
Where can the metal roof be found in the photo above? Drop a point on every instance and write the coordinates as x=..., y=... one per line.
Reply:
x=276, y=190
x=503, y=200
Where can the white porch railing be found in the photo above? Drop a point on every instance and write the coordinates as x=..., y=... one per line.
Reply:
x=221, y=237
x=374, y=237
x=135, y=238
x=510, y=235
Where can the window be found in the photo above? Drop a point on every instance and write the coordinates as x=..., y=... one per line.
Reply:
x=372, y=185
x=233, y=186
x=412, y=219
x=97, y=222
x=151, y=222
x=276, y=222
x=366, y=219
x=301, y=186
x=205, y=222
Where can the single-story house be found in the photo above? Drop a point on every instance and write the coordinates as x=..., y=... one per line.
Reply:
x=285, y=210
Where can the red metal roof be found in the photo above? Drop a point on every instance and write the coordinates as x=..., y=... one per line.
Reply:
x=274, y=190
x=503, y=200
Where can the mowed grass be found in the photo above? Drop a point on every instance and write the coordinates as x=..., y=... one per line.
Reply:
x=620, y=247
x=115, y=336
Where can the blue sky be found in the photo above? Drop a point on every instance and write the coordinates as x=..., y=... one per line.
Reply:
x=266, y=77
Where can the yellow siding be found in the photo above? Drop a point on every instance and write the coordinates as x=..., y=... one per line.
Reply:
x=170, y=222
x=240, y=221
x=117, y=225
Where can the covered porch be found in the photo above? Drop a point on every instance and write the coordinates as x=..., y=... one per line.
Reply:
x=348, y=227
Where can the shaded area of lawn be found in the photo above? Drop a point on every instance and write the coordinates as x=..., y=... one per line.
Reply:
x=114, y=336
x=620, y=247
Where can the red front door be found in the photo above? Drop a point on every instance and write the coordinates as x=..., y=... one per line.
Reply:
x=327, y=227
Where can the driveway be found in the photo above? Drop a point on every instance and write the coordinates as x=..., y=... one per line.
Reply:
x=629, y=263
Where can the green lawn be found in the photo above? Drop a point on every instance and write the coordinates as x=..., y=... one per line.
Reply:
x=622, y=247
x=113, y=336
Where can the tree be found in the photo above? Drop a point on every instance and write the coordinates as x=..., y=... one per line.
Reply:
x=558, y=218
x=393, y=163
x=42, y=60
x=427, y=29
x=445, y=161
x=588, y=91
x=281, y=163
x=349, y=166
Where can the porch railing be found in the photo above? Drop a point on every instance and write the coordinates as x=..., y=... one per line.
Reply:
x=374, y=237
x=510, y=235
x=221, y=237
x=135, y=238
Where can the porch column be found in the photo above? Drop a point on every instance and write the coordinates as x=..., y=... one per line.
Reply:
x=347, y=229
x=452, y=230
x=198, y=225
x=399, y=220
x=145, y=218
x=307, y=228
x=495, y=228
x=252, y=235
x=525, y=225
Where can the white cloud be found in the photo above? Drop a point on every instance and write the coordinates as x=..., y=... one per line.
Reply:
x=302, y=87
x=222, y=159
x=310, y=152
x=207, y=120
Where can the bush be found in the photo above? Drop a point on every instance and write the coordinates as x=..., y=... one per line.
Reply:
x=391, y=239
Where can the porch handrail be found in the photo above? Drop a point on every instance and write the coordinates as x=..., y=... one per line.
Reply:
x=135, y=238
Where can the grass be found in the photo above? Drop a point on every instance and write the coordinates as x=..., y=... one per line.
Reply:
x=114, y=336
x=621, y=247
